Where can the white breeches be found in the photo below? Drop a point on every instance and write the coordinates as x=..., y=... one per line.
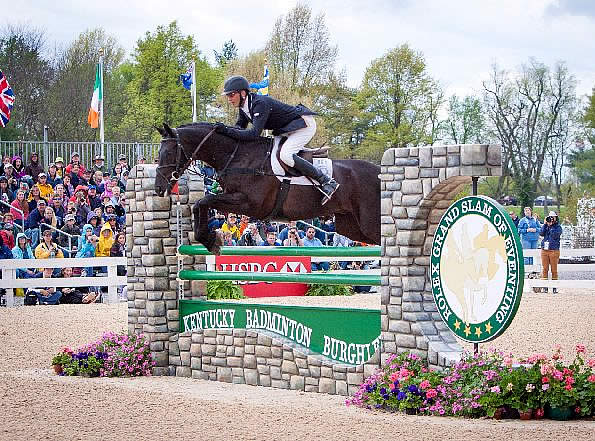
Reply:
x=297, y=140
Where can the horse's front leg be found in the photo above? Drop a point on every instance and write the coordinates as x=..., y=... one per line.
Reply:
x=230, y=202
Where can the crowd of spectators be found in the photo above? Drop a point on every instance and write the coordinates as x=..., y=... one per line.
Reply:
x=243, y=231
x=61, y=211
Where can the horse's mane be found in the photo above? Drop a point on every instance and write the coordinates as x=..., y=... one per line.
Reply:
x=261, y=141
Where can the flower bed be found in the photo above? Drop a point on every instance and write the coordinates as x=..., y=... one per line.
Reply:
x=487, y=384
x=113, y=355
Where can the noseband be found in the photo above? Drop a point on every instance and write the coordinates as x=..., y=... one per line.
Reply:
x=175, y=176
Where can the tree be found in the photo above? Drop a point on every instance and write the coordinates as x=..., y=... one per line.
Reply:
x=228, y=53
x=154, y=91
x=523, y=110
x=29, y=73
x=465, y=123
x=404, y=100
x=69, y=95
x=589, y=118
x=300, y=49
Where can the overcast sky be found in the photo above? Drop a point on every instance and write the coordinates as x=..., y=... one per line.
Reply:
x=460, y=39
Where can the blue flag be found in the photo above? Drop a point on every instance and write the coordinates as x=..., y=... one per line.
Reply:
x=187, y=78
x=262, y=86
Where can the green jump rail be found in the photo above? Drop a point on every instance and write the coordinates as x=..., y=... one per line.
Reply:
x=197, y=250
x=322, y=278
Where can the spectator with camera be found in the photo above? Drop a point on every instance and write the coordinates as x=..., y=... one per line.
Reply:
x=251, y=236
x=5, y=195
x=87, y=246
x=32, y=222
x=48, y=249
x=293, y=238
x=550, y=247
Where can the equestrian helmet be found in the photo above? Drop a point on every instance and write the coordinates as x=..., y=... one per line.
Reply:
x=235, y=84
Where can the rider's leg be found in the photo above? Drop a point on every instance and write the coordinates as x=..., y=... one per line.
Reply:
x=295, y=142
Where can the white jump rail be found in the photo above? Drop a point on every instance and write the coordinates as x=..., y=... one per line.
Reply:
x=565, y=253
x=112, y=281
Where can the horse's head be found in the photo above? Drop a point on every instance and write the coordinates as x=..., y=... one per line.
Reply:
x=168, y=160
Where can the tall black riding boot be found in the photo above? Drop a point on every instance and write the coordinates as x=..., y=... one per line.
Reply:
x=327, y=185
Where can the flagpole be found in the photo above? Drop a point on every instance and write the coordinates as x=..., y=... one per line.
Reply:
x=193, y=92
x=101, y=127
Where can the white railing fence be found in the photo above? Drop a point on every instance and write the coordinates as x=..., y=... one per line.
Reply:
x=565, y=253
x=112, y=281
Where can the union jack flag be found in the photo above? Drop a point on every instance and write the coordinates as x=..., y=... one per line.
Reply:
x=6, y=100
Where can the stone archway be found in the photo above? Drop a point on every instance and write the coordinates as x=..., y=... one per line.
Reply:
x=418, y=185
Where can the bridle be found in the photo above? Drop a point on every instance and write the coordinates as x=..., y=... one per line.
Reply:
x=179, y=169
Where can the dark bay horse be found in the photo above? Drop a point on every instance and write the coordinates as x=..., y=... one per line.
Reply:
x=250, y=187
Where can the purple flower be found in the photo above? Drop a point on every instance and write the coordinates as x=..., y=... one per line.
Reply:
x=401, y=396
x=413, y=389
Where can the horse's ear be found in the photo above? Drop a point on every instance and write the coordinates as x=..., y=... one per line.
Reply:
x=161, y=131
x=168, y=130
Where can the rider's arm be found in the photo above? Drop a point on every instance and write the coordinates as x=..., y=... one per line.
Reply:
x=242, y=121
x=261, y=115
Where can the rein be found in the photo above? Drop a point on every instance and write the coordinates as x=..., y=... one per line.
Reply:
x=175, y=176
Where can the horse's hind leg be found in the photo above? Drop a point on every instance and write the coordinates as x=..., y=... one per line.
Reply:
x=347, y=225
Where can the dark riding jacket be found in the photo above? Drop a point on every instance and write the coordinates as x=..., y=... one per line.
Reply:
x=267, y=113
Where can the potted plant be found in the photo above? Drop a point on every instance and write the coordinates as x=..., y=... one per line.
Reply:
x=61, y=359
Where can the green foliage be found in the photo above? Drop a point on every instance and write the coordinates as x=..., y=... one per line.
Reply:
x=465, y=123
x=228, y=53
x=403, y=98
x=317, y=289
x=28, y=73
x=223, y=289
x=589, y=118
x=154, y=93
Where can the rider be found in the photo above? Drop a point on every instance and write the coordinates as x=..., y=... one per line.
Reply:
x=265, y=113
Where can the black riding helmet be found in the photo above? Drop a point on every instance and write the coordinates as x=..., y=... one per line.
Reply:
x=235, y=84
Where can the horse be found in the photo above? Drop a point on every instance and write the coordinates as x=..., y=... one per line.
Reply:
x=250, y=187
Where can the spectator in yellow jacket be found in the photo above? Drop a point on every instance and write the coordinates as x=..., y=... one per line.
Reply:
x=47, y=248
x=106, y=241
x=231, y=226
x=45, y=189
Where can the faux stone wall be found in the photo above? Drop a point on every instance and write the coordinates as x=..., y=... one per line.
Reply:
x=417, y=186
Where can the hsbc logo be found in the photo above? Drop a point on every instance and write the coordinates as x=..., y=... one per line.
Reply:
x=293, y=267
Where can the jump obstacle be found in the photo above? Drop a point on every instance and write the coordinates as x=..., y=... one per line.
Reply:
x=270, y=347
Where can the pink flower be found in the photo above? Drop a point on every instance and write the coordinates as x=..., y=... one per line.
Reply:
x=431, y=393
x=424, y=384
x=591, y=378
x=508, y=361
x=580, y=349
x=568, y=387
x=545, y=387
x=539, y=412
x=545, y=380
x=393, y=377
x=558, y=375
x=495, y=389
x=569, y=380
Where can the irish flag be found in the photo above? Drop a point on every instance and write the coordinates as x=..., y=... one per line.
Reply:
x=93, y=117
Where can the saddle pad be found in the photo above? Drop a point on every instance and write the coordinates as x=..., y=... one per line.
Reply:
x=324, y=164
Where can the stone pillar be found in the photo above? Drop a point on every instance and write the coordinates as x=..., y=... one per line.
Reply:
x=417, y=186
x=152, y=262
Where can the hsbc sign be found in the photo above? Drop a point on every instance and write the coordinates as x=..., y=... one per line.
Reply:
x=267, y=264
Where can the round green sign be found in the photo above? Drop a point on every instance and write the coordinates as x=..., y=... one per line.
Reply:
x=477, y=269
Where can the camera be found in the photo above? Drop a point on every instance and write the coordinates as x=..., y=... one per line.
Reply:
x=549, y=219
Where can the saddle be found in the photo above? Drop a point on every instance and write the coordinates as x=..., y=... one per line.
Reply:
x=306, y=153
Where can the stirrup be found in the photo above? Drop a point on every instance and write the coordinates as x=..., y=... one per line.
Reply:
x=327, y=196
